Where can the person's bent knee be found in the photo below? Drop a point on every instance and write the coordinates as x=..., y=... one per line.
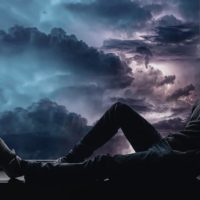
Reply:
x=122, y=108
x=119, y=104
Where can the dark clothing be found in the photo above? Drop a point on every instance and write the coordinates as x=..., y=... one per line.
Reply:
x=189, y=138
x=100, y=168
x=153, y=154
x=140, y=133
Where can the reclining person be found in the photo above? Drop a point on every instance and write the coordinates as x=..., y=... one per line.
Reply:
x=178, y=152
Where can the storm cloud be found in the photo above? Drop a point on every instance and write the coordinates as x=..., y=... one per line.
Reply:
x=168, y=20
x=146, y=52
x=66, y=47
x=46, y=63
x=167, y=80
x=181, y=92
x=170, y=126
x=151, y=80
x=115, y=14
x=141, y=52
x=176, y=42
x=40, y=118
x=176, y=34
x=44, y=129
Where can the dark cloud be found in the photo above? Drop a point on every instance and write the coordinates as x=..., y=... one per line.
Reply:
x=141, y=51
x=148, y=82
x=183, y=110
x=167, y=80
x=185, y=52
x=146, y=52
x=148, y=91
x=177, y=42
x=168, y=20
x=46, y=63
x=175, y=34
x=124, y=45
x=138, y=47
x=119, y=15
x=171, y=37
x=67, y=47
x=126, y=15
x=43, y=118
x=44, y=129
x=181, y=92
x=179, y=109
x=170, y=125
x=151, y=83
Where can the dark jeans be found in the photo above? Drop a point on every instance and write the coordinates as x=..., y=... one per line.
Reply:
x=140, y=133
x=151, y=157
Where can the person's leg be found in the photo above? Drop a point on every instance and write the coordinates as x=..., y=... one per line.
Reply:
x=134, y=165
x=140, y=133
x=72, y=173
x=159, y=161
x=100, y=168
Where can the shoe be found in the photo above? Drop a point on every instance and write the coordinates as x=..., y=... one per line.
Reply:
x=9, y=162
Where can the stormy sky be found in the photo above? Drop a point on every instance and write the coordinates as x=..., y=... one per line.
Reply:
x=86, y=55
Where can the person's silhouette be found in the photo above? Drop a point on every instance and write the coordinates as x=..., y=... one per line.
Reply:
x=178, y=152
